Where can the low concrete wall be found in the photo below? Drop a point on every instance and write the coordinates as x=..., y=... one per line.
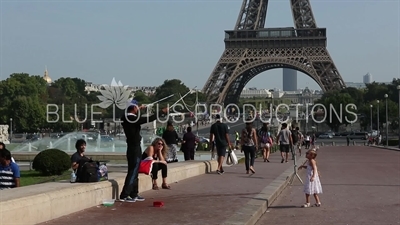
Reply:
x=43, y=202
x=97, y=156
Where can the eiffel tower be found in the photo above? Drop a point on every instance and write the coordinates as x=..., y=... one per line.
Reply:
x=251, y=49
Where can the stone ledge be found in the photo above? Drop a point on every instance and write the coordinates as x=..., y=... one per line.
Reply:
x=43, y=202
x=384, y=147
x=252, y=211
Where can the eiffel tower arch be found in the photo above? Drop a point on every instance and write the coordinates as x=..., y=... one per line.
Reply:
x=251, y=49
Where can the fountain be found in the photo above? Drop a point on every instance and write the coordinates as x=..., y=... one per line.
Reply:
x=98, y=142
x=94, y=143
x=69, y=144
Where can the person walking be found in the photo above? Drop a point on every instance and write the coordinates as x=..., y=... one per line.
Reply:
x=249, y=143
x=266, y=141
x=131, y=123
x=285, y=142
x=296, y=138
x=188, y=144
x=171, y=138
x=219, y=133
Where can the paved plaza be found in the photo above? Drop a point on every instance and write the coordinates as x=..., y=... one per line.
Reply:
x=205, y=199
x=361, y=186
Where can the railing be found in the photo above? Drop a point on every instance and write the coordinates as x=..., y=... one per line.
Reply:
x=275, y=33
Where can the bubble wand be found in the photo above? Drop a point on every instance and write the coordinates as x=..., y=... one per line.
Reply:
x=191, y=91
x=151, y=104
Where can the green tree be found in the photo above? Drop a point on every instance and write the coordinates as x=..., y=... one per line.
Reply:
x=29, y=115
x=67, y=86
x=141, y=97
x=373, y=93
x=23, y=98
x=356, y=94
x=179, y=89
x=168, y=88
x=340, y=103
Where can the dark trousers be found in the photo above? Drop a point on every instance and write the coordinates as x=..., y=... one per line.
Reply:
x=307, y=144
x=156, y=167
x=131, y=185
x=249, y=156
x=189, y=154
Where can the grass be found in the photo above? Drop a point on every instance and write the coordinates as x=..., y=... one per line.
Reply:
x=33, y=177
x=241, y=161
x=11, y=146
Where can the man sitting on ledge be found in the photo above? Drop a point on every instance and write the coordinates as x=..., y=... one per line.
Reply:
x=80, y=146
x=9, y=171
x=79, y=160
x=3, y=146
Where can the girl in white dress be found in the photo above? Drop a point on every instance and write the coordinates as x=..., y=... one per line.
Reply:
x=312, y=185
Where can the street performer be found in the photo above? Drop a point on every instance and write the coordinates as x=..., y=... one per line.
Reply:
x=131, y=123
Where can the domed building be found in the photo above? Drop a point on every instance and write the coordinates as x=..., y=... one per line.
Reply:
x=46, y=76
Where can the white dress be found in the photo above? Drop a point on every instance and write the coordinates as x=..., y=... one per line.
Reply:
x=312, y=187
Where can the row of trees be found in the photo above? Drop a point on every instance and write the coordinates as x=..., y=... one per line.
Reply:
x=363, y=99
x=26, y=99
x=30, y=101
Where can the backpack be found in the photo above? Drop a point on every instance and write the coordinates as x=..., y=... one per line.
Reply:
x=295, y=136
x=88, y=171
x=264, y=136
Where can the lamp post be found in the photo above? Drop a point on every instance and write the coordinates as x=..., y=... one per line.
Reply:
x=387, y=127
x=371, y=117
x=377, y=117
x=398, y=88
x=11, y=129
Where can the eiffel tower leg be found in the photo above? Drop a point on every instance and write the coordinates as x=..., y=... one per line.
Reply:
x=325, y=69
x=221, y=75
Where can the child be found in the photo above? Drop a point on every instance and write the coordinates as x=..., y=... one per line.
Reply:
x=312, y=185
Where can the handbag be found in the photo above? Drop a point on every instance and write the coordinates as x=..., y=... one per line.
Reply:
x=146, y=166
x=271, y=142
x=232, y=158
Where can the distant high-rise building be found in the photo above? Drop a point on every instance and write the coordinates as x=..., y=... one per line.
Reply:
x=367, y=78
x=289, y=80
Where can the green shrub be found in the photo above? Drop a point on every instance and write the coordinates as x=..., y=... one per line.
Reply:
x=275, y=148
x=392, y=142
x=51, y=162
x=200, y=147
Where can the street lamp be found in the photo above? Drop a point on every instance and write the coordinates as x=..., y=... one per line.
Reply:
x=11, y=129
x=377, y=101
x=398, y=88
x=387, y=127
x=371, y=117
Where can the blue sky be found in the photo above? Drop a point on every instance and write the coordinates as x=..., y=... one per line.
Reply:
x=142, y=43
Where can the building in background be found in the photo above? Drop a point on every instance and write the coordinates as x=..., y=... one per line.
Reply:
x=355, y=85
x=255, y=93
x=289, y=79
x=46, y=76
x=147, y=90
x=367, y=78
